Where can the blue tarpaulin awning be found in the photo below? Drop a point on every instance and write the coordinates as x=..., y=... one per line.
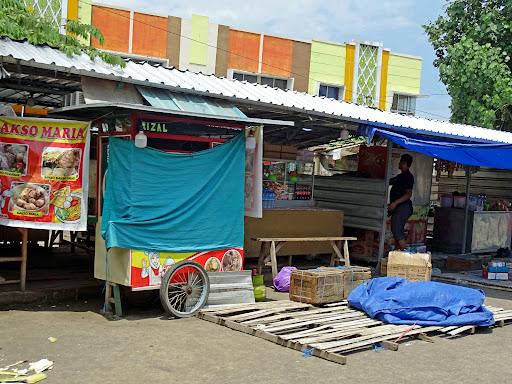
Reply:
x=482, y=153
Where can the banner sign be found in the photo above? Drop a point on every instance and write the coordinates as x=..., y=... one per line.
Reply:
x=44, y=173
x=148, y=268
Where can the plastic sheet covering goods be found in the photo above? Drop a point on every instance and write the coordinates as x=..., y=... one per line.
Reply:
x=174, y=202
x=395, y=300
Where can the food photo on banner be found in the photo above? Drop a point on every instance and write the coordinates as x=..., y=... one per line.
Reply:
x=44, y=173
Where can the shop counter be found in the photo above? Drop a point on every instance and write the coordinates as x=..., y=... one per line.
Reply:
x=487, y=231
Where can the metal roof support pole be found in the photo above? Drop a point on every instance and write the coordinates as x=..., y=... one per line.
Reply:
x=466, y=210
x=382, y=236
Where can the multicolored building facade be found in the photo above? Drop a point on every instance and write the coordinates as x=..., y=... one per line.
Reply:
x=361, y=72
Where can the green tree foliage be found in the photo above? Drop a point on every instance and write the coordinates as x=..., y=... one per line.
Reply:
x=473, y=44
x=19, y=22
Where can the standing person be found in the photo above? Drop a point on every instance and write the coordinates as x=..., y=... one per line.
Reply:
x=400, y=207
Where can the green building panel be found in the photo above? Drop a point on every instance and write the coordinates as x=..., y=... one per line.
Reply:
x=199, y=40
x=327, y=64
x=404, y=74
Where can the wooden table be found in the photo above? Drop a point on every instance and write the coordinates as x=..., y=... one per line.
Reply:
x=270, y=246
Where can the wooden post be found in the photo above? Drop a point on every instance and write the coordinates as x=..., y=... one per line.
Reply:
x=389, y=160
x=261, y=259
x=273, y=258
x=23, y=270
x=466, y=210
x=346, y=254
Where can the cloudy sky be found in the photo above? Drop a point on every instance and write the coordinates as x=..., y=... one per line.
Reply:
x=396, y=23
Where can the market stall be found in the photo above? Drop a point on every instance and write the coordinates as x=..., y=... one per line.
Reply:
x=361, y=192
x=289, y=208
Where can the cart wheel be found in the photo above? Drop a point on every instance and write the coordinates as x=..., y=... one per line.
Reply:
x=184, y=290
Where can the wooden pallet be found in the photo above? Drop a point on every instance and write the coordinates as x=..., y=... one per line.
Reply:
x=328, y=332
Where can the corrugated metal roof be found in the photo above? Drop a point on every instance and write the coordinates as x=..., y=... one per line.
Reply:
x=177, y=101
x=185, y=81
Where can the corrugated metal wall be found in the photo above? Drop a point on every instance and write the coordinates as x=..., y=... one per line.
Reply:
x=361, y=200
x=496, y=184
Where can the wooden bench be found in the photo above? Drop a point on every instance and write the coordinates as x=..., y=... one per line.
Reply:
x=270, y=246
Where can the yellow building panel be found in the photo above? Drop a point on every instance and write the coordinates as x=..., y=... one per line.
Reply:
x=349, y=72
x=384, y=80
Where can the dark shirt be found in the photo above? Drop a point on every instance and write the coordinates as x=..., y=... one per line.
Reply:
x=400, y=184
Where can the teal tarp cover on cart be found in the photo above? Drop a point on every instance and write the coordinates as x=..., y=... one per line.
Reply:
x=174, y=202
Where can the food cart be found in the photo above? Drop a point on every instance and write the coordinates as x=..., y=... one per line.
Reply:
x=177, y=137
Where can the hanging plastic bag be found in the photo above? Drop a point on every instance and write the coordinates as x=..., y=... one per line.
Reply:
x=282, y=279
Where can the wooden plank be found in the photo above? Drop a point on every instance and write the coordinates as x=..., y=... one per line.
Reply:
x=337, y=252
x=346, y=253
x=256, y=306
x=333, y=357
x=304, y=239
x=10, y=259
x=261, y=313
x=267, y=336
x=294, y=315
x=389, y=345
x=326, y=331
x=344, y=302
x=283, y=327
x=365, y=343
x=273, y=258
x=424, y=337
x=385, y=332
x=470, y=328
x=238, y=327
x=209, y=317
x=24, y=257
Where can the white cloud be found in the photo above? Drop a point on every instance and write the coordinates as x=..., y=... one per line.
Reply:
x=303, y=19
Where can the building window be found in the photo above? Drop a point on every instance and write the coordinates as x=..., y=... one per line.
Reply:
x=274, y=82
x=241, y=76
x=404, y=104
x=330, y=91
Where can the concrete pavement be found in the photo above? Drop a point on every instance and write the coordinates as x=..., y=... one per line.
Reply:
x=145, y=348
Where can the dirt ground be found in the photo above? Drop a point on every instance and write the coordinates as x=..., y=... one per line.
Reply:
x=145, y=347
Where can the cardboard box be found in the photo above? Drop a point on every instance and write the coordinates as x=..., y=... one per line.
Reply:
x=326, y=285
x=274, y=151
x=497, y=276
x=411, y=266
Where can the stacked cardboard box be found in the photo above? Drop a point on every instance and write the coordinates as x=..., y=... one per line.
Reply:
x=326, y=285
x=274, y=151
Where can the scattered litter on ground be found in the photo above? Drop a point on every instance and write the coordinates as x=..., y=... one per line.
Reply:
x=15, y=375
x=41, y=365
x=377, y=347
x=52, y=339
x=308, y=352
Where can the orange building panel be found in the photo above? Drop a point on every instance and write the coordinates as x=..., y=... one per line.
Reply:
x=244, y=50
x=115, y=26
x=277, y=56
x=149, y=35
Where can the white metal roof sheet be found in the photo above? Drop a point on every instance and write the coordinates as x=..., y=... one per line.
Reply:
x=186, y=81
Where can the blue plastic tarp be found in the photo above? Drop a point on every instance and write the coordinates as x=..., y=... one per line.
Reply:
x=394, y=300
x=491, y=155
x=174, y=202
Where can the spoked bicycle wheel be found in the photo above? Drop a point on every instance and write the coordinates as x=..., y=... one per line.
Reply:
x=184, y=290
